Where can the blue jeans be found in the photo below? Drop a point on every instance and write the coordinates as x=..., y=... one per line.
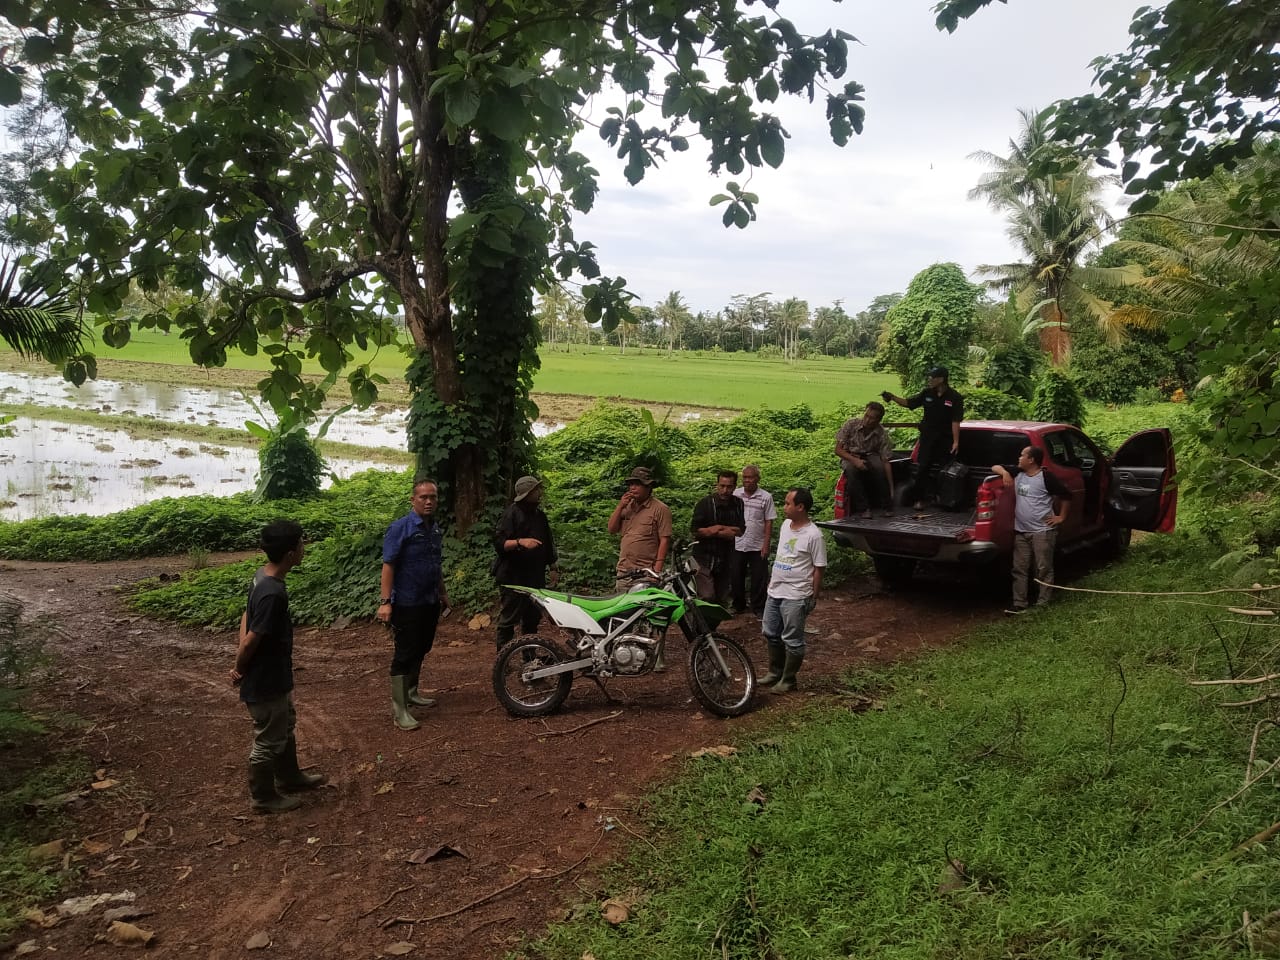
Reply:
x=783, y=622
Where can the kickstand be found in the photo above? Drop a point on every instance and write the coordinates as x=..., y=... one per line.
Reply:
x=603, y=689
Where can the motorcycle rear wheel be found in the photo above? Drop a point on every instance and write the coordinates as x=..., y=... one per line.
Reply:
x=530, y=698
x=724, y=695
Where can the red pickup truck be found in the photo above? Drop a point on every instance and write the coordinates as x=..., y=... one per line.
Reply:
x=1110, y=497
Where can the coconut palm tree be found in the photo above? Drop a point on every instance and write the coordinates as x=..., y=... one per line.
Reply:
x=35, y=319
x=1056, y=216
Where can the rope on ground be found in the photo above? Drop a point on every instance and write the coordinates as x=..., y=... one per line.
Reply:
x=1162, y=593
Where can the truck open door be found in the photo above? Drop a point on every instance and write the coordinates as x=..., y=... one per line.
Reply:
x=1141, y=494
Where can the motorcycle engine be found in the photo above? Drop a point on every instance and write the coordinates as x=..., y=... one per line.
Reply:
x=631, y=652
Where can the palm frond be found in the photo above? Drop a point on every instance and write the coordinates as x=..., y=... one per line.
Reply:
x=37, y=320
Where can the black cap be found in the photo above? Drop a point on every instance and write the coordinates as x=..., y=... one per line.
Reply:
x=938, y=372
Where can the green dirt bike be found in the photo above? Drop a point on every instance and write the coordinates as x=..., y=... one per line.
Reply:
x=621, y=636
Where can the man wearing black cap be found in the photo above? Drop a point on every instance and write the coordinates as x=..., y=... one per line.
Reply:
x=644, y=522
x=525, y=550
x=939, y=429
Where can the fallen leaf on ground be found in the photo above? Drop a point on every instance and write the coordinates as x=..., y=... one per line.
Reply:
x=93, y=847
x=78, y=906
x=259, y=941
x=399, y=948
x=230, y=840
x=39, y=918
x=364, y=768
x=127, y=935
x=615, y=911
x=47, y=851
x=125, y=913
x=724, y=750
x=25, y=947
x=757, y=796
x=131, y=835
x=104, y=784
x=425, y=855
x=386, y=787
x=479, y=621
x=183, y=873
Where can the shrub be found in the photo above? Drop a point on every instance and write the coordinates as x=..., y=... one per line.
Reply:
x=1057, y=400
x=290, y=467
x=983, y=403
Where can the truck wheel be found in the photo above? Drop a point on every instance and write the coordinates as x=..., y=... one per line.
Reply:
x=894, y=572
x=1118, y=541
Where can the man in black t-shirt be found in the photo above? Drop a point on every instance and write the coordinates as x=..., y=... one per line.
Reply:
x=525, y=550
x=717, y=521
x=264, y=673
x=939, y=429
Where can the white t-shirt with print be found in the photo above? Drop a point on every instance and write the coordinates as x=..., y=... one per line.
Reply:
x=800, y=549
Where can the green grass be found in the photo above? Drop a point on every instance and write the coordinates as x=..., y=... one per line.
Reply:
x=732, y=380
x=1000, y=754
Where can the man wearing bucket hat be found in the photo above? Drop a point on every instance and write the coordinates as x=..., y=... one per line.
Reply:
x=939, y=429
x=644, y=522
x=525, y=550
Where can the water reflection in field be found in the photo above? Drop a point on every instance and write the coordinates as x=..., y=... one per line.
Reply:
x=52, y=468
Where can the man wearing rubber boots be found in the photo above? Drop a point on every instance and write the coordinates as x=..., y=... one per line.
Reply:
x=525, y=550
x=793, y=590
x=264, y=673
x=413, y=594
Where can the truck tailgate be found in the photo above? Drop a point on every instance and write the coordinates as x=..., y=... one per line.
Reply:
x=908, y=533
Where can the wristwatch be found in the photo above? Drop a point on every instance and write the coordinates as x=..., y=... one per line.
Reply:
x=384, y=601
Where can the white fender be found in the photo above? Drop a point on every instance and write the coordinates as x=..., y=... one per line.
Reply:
x=568, y=616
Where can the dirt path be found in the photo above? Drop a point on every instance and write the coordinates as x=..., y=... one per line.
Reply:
x=515, y=812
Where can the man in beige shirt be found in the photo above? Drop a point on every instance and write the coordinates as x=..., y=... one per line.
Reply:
x=645, y=525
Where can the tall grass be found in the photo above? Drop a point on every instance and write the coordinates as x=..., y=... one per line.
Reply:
x=1034, y=793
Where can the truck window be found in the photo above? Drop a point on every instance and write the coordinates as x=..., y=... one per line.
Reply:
x=982, y=448
x=1055, y=445
x=1083, y=453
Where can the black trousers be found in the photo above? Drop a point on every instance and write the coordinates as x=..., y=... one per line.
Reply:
x=932, y=454
x=414, y=631
x=865, y=489
x=749, y=563
x=517, y=609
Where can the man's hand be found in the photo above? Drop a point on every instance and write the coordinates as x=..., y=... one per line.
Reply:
x=764, y=552
x=384, y=613
x=1053, y=520
x=235, y=677
x=858, y=462
x=955, y=448
x=529, y=543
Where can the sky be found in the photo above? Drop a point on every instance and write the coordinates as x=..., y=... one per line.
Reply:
x=851, y=223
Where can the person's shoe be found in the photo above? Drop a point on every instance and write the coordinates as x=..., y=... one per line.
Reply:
x=415, y=700
x=918, y=505
x=400, y=704
x=264, y=798
x=291, y=777
x=777, y=660
x=1014, y=611
x=787, y=682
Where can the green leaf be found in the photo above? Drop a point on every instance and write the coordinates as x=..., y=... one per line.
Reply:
x=462, y=102
x=772, y=147
x=11, y=91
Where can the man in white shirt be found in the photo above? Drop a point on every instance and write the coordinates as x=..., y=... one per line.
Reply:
x=751, y=550
x=793, y=590
x=1039, y=510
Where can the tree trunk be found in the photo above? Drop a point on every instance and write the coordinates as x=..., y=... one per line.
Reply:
x=1055, y=337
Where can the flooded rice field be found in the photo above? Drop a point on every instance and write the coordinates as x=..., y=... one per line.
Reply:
x=49, y=467
x=54, y=469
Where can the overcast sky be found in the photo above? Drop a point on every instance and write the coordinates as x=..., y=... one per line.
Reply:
x=854, y=222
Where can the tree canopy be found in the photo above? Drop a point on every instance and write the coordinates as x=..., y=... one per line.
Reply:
x=308, y=170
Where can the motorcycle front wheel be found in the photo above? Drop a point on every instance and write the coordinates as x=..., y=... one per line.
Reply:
x=524, y=696
x=720, y=675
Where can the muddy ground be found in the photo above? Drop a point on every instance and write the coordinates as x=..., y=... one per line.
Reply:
x=463, y=838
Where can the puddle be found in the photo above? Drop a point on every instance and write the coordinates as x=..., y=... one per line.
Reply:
x=378, y=426
x=52, y=468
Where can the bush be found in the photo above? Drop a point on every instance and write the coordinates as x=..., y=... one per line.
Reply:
x=290, y=467
x=983, y=403
x=1057, y=400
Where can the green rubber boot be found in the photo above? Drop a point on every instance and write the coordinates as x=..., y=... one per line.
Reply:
x=415, y=700
x=777, y=660
x=289, y=776
x=787, y=682
x=400, y=704
x=262, y=789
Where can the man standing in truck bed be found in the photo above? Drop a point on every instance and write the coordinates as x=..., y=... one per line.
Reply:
x=939, y=429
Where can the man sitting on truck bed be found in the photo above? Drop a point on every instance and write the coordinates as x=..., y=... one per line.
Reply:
x=939, y=429
x=1035, y=524
x=864, y=449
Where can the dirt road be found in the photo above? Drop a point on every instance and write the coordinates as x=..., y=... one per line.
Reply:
x=464, y=837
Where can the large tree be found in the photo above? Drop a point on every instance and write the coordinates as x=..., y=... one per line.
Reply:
x=306, y=165
x=1053, y=203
